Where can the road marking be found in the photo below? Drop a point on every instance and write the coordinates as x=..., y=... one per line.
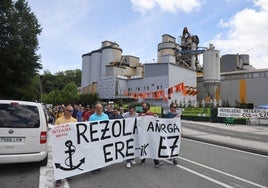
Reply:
x=224, y=173
x=241, y=151
x=46, y=177
x=206, y=177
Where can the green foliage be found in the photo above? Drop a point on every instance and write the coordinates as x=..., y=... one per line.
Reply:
x=19, y=66
x=18, y=45
x=61, y=88
x=69, y=94
x=86, y=99
x=33, y=91
x=59, y=80
x=54, y=97
x=225, y=104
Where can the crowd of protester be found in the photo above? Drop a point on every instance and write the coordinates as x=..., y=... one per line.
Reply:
x=82, y=113
x=79, y=113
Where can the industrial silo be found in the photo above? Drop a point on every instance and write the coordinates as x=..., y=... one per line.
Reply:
x=110, y=52
x=166, y=47
x=95, y=66
x=211, y=70
x=85, y=70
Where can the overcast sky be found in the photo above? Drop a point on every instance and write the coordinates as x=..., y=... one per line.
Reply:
x=72, y=28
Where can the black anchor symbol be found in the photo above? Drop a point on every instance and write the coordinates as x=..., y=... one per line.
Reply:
x=70, y=151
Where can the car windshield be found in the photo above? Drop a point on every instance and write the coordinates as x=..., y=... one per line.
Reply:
x=19, y=116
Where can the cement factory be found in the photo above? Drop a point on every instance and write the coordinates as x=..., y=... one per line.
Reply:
x=177, y=76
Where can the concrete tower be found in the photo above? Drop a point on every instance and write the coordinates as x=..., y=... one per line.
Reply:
x=211, y=70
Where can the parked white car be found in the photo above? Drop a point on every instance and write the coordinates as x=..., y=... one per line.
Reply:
x=23, y=132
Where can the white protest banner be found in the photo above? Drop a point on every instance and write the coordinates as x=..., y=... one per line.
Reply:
x=242, y=113
x=229, y=112
x=84, y=146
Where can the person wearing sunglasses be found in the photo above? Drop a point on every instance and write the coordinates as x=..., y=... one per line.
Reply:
x=172, y=111
x=65, y=118
x=172, y=114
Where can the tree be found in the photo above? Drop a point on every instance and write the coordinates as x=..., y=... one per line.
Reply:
x=59, y=80
x=33, y=91
x=18, y=45
x=86, y=99
x=69, y=94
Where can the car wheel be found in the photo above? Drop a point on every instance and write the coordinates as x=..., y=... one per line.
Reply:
x=44, y=162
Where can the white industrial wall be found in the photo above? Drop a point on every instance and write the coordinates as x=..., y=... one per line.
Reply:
x=85, y=71
x=230, y=91
x=177, y=75
x=106, y=87
x=256, y=87
x=211, y=65
x=109, y=54
x=95, y=66
x=121, y=87
x=114, y=71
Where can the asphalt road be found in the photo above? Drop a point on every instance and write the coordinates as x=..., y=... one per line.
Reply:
x=24, y=175
x=227, y=132
x=200, y=165
x=252, y=138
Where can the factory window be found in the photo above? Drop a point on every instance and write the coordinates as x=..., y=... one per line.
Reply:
x=144, y=88
x=138, y=89
x=157, y=87
x=147, y=87
x=261, y=74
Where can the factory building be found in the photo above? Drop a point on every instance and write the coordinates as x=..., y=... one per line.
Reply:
x=115, y=76
x=176, y=77
x=239, y=82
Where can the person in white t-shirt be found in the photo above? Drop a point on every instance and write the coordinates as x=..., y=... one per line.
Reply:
x=130, y=114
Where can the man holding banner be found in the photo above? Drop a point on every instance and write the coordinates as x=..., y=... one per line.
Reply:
x=86, y=146
x=97, y=116
x=146, y=112
x=172, y=114
x=65, y=118
x=130, y=114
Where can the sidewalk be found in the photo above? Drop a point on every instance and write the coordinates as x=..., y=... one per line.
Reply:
x=228, y=136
